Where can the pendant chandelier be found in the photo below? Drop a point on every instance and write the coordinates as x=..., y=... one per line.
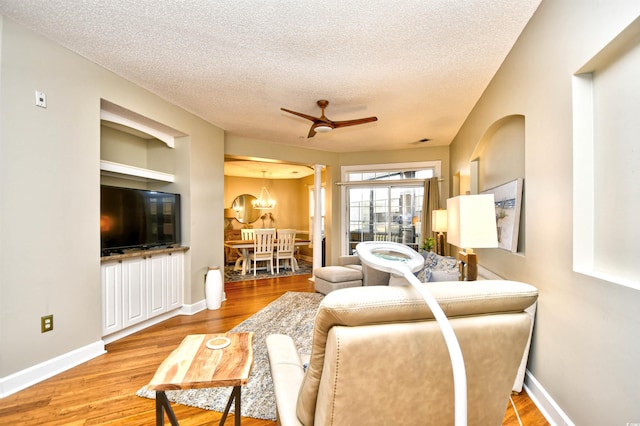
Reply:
x=264, y=201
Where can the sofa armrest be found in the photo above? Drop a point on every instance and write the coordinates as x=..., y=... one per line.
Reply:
x=349, y=259
x=287, y=373
x=371, y=276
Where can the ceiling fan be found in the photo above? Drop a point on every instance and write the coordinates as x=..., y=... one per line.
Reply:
x=322, y=124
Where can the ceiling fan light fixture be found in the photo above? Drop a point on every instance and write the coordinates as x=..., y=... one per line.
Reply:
x=323, y=128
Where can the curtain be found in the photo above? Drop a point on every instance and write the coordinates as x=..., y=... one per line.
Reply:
x=430, y=202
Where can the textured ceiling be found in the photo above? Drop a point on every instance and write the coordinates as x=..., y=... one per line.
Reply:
x=419, y=66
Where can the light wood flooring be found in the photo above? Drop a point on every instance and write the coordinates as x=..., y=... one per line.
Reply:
x=103, y=390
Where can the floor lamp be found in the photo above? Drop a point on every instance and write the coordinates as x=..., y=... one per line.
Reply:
x=401, y=260
x=471, y=223
x=439, y=225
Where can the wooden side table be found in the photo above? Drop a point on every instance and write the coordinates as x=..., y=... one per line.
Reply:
x=193, y=365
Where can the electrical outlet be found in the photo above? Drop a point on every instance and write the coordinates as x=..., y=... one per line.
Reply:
x=41, y=99
x=46, y=323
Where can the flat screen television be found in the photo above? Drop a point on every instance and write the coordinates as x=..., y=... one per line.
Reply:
x=137, y=219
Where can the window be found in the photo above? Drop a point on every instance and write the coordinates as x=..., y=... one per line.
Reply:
x=384, y=202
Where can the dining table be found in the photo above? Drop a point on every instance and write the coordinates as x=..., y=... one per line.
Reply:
x=245, y=246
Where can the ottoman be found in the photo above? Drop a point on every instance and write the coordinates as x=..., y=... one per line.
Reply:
x=330, y=278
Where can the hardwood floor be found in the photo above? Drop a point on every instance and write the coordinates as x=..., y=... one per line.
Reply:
x=103, y=390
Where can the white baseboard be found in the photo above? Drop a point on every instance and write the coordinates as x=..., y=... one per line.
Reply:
x=140, y=326
x=547, y=406
x=39, y=372
x=196, y=307
x=184, y=310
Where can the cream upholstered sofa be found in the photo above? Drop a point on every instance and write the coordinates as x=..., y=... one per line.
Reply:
x=378, y=356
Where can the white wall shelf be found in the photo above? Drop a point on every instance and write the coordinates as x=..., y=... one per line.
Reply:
x=116, y=114
x=109, y=168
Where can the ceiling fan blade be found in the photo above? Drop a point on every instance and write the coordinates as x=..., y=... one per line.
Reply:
x=420, y=142
x=355, y=122
x=299, y=114
x=323, y=124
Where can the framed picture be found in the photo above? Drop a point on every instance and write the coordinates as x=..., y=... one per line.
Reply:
x=508, y=199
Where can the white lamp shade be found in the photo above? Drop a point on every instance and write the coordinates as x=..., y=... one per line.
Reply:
x=472, y=221
x=439, y=221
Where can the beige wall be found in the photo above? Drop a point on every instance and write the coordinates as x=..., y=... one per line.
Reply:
x=49, y=193
x=290, y=206
x=586, y=347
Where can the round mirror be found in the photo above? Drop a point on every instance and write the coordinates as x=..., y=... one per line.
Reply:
x=243, y=205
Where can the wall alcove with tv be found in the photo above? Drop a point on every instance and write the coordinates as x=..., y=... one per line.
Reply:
x=142, y=243
x=140, y=199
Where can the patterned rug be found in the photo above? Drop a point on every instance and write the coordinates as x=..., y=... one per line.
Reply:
x=230, y=275
x=291, y=314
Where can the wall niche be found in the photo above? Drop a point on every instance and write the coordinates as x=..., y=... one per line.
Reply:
x=606, y=194
x=499, y=158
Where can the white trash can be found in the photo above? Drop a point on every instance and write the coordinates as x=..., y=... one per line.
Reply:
x=213, y=290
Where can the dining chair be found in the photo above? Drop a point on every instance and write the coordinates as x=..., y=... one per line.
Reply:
x=285, y=248
x=263, y=240
x=247, y=234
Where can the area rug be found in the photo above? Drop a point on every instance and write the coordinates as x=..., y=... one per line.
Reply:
x=291, y=314
x=230, y=275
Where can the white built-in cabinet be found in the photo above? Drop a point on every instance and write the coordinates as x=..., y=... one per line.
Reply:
x=111, y=297
x=175, y=283
x=134, y=291
x=138, y=288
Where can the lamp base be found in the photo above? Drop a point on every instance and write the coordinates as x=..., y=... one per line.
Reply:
x=468, y=261
x=440, y=244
